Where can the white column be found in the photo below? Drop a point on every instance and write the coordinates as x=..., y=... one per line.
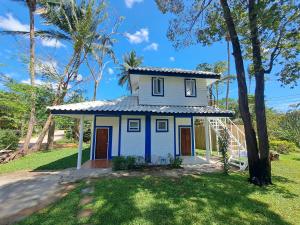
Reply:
x=207, y=139
x=80, y=143
x=92, y=138
x=194, y=136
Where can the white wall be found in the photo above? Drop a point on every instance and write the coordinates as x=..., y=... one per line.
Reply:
x=180, y=122
x=132, y=143
x=162, y=143
x=114, y=122
x=174, y=92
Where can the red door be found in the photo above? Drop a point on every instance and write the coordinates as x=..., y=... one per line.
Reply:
x=185, y=141
x=101, y=143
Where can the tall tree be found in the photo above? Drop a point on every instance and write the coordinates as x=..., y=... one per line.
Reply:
x=31, y=4
x=79, y=23
x=130, y=60
x=275, y=43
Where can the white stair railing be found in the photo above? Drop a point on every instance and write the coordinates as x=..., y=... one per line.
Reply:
x=237, y=143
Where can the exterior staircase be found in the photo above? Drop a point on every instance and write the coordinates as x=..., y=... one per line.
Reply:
x=237, y=142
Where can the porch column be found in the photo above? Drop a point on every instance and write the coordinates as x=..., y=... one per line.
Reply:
x=80, y=143
x=207, y=139
x=92, y=138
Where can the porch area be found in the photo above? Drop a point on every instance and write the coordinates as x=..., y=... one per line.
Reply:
x=97, y=164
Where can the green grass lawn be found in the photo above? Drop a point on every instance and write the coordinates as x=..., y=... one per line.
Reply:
x=205, y=199
x=46, y=160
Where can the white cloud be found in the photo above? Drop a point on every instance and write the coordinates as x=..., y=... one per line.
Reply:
x=12, y=24
x=54, y=43
x=130, y=3
x=110, y=71
x=172, y=58
x=139, y=36
x=153, y=46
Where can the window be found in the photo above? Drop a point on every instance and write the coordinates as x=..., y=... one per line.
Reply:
x=157, y=86
x=162, y=125
x=133, y=125
x=190, y=87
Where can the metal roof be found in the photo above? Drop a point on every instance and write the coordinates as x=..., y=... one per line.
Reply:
x=173, y=72
x=130, y=104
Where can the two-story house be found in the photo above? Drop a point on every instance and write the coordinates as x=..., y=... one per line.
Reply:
x=155, y=121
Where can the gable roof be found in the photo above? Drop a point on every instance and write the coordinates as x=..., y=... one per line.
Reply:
x=130, y=104
x=173, y=72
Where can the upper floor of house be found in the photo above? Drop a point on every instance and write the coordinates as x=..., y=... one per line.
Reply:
x=161, y=86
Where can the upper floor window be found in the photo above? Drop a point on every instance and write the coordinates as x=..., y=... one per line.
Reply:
x=157, y=86
x=190, y=87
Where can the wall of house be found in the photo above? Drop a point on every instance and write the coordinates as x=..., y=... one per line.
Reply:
x=181, y=121
x=132, y=143
x=174, y=92
x=114, y=122
x=162, y=143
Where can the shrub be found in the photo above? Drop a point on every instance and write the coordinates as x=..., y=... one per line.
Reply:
x=123, y=163
x=175, y=162
x=283, y=147
x=9, y=139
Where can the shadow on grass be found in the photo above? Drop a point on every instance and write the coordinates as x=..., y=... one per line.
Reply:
x=205, y=199
x=66, y=162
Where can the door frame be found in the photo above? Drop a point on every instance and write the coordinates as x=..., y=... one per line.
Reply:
x=179, y=138
x=109, y=149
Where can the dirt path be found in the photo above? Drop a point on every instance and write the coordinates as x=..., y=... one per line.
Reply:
x=58, y=135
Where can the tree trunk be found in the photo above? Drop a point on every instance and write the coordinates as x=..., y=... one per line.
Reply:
x=260, y=112
x=31, y=6
x=228, y=68
x=51, y=132
x=251, y=142
x=95, y=90
x=42, y=135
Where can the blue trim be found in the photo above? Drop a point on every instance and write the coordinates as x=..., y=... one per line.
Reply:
x=190, y=96
x=162, y=120
x=110, y=130
x=173, y=74
x=117, y=113
x=139, y=122
x=163, y=87
x=94, y=137
x=119, y=140
x=175, y=142
x=179, y=136
x=193, y=146
x=148, y=139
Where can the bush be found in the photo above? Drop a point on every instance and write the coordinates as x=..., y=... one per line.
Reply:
x=283, y=147
x=123, y=163
x=9, y=139
x=175, y=162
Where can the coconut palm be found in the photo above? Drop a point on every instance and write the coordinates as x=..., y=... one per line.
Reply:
x=79, y=24
x=130, y=60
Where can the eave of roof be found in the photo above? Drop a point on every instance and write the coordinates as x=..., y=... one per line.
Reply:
x=172, y=72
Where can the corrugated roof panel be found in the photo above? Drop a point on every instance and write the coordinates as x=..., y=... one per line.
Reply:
x=130, y=104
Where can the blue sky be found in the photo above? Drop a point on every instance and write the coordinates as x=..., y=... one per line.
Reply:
x=143, y=30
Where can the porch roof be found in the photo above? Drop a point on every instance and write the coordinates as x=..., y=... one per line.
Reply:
x=129, y=104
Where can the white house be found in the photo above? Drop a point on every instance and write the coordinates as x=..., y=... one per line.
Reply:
x=155, y=121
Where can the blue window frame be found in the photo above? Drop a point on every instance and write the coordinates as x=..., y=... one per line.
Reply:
x=133, y=125
x=190, y=88
x=162, y=125
x=157, y=86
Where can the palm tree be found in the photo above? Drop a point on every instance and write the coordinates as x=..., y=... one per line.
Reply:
x=79, y=24
x=31, y=4
x=228, y=69
x=130, y=60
